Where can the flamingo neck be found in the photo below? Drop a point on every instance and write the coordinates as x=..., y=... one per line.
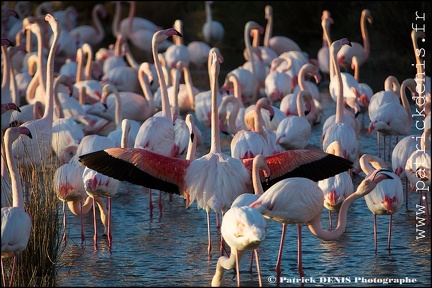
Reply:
x=256, y=181
x=233, y=115
x=215, y=136
x=17, y=190
x=118, y=117
x=250, y=56
x=162, y=84
x=269, y=26
x=411, y=84
x=339, y=97
x=100, y=32
x=315, y=225
x=208, y=10
x=49, y=92
x=87, y=51
x=224, y=263
x=77, y=208
x=365, y=36
x=125, y=133
x=116, y=21
x=131, y=17
x=188, y=84
x=6, y=68
x=145, y=86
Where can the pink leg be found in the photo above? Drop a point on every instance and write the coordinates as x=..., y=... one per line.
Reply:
x=378, y=143
x=389, y=232
x=279, y=259
x=109, y=222
x=82, y=225
x=237, y=268
x=95, y=226
x=160, y=203
x=208, y=232
x=217, y=221
x=64, y=222
x=330, y=218
x=251, y=262
x=427, y=209
x=406, y=193
x=13, y=270
x=3, y=273
x=258, y=268
x=375, y=232
x=150, y=202
x=299, y=251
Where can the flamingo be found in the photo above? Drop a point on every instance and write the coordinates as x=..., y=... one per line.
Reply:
x=386, y=198
x=16, y=222
x=279, y=44
x=178, y=51
x=336, y=188
x=418, y=168
x=323, y=54
x=393, y=118
x=93, y=35
x=402, y=150
x=37, y=152
x=362, y=52
x=243, y=229
x=299, y=201
x=69, y=187
x=293, y=132
x=213, y=31
x=339, y=130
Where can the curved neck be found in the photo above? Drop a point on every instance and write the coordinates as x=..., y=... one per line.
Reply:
x=77, y=208
x=392, y=84
x=191, y=151
x=370, y=163
x=247, y=42
x=411, y=85
x=87, y=51
x=335, y=148
x=365, y=36
x=145, y=86
x=116, y=20
x=224, y=263
x=79, y=59
x=132, y=7
x=256, y=180
x=6, y=67
x=356, y=68
x=17, y=190
x=100, y=35
x=315, y=225
x=188, y=83
x=129, y=57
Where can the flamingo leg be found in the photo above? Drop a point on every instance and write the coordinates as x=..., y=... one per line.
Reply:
x=330, y=219
x=389, y=232
x=258, y=267
x=13, y=270
x=208, y=232
x=160, y=202
x=251, y=262
x=237, y=267
x=150, y=202
x=406, y=193
x=95, y=226
x=427, y=209
x=109, y=222
x=375, y=232
x=3, y=273
x=217, y=221
x=279, y=259
x=299, y=252
x=82, y=225
x=64, y=222
x=378, y=143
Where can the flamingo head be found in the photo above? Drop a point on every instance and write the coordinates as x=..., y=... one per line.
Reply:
x=332, y=198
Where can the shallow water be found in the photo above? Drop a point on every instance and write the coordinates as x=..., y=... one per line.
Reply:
x=170, y=249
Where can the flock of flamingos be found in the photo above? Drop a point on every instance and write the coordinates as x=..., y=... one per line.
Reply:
x=107, y=119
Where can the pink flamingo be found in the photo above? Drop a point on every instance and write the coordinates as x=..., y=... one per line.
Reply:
x=393, y=118
x=243, y=228
x=386, y=198
x=279, y=44
x=70, y=189
x=35, y=153
x=339, y=130
x=336, y=188
x=362, y=52
x=184, y=177
x=16, y=222
x=93, y=35
x=299, y=201
x=213, y=31
x=323, y=54
x=293, y=132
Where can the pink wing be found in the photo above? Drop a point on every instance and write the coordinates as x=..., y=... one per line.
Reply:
x=139, y=166
x=313, y=164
